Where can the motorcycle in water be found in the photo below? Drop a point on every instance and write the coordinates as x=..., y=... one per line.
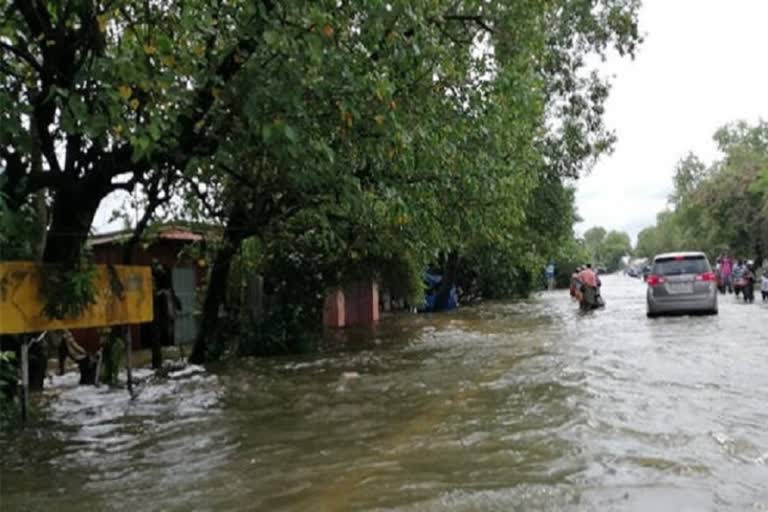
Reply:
x=590, y=298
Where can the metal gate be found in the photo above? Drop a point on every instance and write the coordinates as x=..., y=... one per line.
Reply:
x=185, y=328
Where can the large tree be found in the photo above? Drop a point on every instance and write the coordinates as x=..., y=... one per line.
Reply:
x=607, y=248
x=99, y=96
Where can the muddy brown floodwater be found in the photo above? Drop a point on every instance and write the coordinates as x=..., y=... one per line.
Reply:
x=526, y=405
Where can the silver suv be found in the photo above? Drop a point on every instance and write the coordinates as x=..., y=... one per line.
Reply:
x=681, y=282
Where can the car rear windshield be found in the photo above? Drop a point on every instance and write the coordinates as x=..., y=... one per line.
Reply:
x=681, y=265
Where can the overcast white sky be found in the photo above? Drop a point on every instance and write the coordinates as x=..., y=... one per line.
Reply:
x=704, y=63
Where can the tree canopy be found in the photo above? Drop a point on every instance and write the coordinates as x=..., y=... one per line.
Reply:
x=722, y=207
x=607, y=248
x=340, y=134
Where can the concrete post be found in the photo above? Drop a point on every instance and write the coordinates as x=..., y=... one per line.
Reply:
x=334, y=309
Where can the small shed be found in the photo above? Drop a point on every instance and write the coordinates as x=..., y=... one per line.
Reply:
x=179, y=249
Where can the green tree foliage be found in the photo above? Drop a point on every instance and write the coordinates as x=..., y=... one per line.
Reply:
x=593, y=241
x=8, y=388
x=723, y=207
x=17, y=226
x=616, y=246
x=607, y=248
x=689, y=173
x=98, y=96
x=573, y=254
x=364, y=132
x=408, y=128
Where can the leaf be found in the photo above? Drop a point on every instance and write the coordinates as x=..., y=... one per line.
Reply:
x=329, y=154
x=164, y=44
x=67, y=122
x=124, y=91
x=140, y=146
x=290, y=133
x=266, y=133
x=271, y=37
x=154, y=131
x=76, y=104
x=102, y=20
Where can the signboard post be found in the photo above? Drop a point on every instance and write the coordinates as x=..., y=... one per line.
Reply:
x=24, y=379
x=25, y=344
x=128, y=342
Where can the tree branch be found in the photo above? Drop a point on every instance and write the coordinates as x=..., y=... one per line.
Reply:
x=477, y=19
x=190, y=134
x=38, y=22
x=24, y=55
x=211, y=210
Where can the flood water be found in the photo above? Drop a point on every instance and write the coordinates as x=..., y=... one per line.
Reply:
x=526, y=405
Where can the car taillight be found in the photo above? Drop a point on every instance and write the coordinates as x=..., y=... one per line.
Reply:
x=706, y=277
x=654, y=280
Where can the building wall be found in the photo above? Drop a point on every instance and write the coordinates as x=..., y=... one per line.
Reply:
x=357, y=303
x=163, y=250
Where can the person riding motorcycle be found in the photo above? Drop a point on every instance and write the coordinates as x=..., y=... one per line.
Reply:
x=590, y=288
x=737, y=277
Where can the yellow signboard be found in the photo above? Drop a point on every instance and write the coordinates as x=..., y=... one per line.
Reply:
x=21, y=307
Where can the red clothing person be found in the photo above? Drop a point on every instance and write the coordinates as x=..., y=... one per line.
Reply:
x=588, y=277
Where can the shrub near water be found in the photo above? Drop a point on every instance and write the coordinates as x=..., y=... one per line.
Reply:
x=8, y=387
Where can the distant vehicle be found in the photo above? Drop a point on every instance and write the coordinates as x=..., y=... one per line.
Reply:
x=601, y=270
x=633, y=271
x=681, y=282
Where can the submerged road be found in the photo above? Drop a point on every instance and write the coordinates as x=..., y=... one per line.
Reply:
x=526, y=405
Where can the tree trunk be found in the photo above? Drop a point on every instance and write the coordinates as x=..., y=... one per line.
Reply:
x=38, y=366
x=42, y=218
x=449, y=281
x=234, y=235
x=72, y=212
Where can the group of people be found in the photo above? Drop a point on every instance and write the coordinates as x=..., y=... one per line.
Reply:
x=585, y=287
x=738, y=276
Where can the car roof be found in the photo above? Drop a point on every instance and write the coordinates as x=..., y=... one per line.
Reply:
x=683, y=254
